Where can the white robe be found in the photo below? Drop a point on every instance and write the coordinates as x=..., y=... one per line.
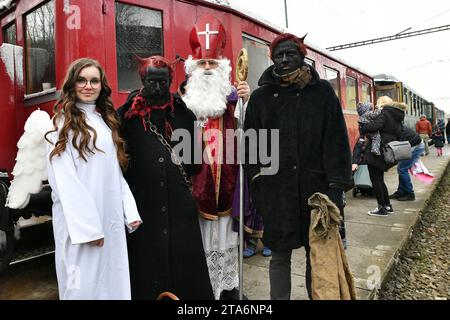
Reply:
x=221, y=245
x=91, y=200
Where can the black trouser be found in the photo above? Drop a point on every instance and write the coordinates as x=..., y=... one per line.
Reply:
x=280, y=275
x=342, y=225
x=379, y=187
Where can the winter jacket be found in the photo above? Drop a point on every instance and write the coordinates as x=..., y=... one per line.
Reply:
x=314, y=153
x=438, y=140
x=408, y=134
x=423, y=126
x=389, y=124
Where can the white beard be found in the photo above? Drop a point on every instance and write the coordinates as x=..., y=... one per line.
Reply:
x=207, y=91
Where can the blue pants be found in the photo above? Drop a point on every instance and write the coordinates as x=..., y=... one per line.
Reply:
x=404, y=180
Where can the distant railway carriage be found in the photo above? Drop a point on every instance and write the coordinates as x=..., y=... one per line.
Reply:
x=388, y=85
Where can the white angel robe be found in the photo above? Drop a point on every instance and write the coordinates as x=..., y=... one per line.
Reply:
x=91, y=200
x=220, y=243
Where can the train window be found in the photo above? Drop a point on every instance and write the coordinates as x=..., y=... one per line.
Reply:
x=310, y=62
x=40, y=48
x=333, y=78
x=366, y=95
x=138, y=32
x=9, y=34
x=405, y=100
x=351, y=93
x=258, y=58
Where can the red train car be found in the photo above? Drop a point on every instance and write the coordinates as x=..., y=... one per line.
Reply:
x=40, y=38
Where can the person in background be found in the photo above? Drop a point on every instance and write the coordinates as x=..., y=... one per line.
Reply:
x=447, y=130
x=439, y=141
x=405, y=190
x=423, y=128
x=368, y=114
x=441, y=126
x=389, y=124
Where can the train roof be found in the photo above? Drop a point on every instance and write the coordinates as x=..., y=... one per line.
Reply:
x=385, y=77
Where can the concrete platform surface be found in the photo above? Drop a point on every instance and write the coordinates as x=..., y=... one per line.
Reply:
x=373, y=242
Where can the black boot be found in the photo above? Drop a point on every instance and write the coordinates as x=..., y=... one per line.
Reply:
x=231, y=295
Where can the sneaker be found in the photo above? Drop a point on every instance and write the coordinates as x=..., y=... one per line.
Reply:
x=395, y=195
x=266, y=252
x=407, y=197
x=249, y=252
x=378, y=212
x=389, y=209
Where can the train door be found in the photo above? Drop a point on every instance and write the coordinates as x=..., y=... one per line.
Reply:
x=393, y=91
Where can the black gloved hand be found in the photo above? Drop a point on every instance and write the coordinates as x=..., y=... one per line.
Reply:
x=337, y=196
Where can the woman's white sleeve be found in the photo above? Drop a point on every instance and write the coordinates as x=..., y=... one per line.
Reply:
x=83, y=219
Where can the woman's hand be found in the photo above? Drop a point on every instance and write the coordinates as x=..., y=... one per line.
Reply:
x=354, y=167
x=135, y=224
x=97, y=243
x=243, y=90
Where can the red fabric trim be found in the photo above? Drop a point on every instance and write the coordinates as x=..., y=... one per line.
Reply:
x=141, y=109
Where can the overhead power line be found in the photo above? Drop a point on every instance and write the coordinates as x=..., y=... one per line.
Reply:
x=389, y=38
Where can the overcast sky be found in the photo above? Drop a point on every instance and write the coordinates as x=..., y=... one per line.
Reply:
x=422, y=62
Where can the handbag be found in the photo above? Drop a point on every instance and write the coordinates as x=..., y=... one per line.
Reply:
x=396, y=151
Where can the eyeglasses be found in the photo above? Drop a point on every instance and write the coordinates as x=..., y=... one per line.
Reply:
x=81, y=82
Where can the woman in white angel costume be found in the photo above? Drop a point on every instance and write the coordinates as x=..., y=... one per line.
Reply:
x=92, y=202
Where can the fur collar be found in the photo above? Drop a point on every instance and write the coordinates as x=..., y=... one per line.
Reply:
x=397, y=105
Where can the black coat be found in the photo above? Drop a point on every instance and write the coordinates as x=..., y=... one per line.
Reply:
x=389, y=124
x=166, y=251
x=314, y=152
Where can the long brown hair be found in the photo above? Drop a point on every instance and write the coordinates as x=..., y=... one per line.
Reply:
x=75, y=119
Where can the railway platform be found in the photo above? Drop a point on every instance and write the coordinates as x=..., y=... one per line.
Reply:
x=374, y=243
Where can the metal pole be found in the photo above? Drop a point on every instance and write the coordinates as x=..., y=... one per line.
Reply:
x=241, y=198
x=286, y=13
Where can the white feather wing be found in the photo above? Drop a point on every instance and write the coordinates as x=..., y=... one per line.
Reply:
x=31, y=162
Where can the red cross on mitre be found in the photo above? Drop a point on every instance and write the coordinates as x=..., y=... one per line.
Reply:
x=208, y=38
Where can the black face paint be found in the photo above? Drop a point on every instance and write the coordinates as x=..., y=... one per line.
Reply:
x=286, y=57
x=156, y=85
